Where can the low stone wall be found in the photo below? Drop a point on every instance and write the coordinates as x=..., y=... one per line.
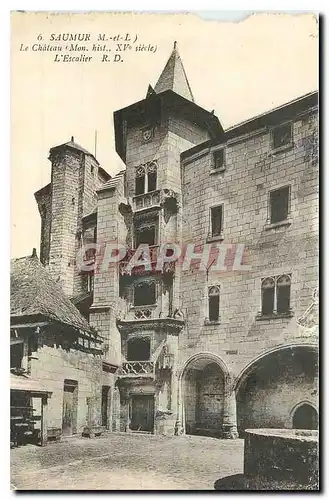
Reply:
x=284, y=455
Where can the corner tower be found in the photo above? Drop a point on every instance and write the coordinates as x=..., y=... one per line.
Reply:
x=64, y=205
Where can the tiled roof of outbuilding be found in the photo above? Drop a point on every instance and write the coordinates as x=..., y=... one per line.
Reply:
x=34, y=292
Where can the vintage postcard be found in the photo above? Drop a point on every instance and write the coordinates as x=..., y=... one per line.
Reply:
x=164, y=267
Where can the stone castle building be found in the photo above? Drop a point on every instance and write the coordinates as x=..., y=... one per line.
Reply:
x=214, y=349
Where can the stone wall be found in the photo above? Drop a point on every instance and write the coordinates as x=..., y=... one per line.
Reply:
x=270, y=396
x=65, y=181
x=110, y=231
x=53, y=365
x=252, y=170
x=43, y=198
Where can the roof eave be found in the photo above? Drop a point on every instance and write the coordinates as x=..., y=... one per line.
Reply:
x=204, y=117
x=63, y=146
x=287, y=110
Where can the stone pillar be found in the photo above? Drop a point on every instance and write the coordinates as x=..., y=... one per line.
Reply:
x=229, y=426
x=116, y=410
x=180, y=422
x=93, y=411
x=44, y=420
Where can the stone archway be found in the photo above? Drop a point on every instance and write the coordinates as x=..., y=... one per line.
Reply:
x=204, y=388
x=305, y=416
x=268, y=387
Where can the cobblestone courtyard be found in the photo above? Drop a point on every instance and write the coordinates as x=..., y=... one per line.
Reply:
x=123, y=461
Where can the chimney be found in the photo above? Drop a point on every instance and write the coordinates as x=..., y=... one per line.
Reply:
x=34, y=252
x=72, y=139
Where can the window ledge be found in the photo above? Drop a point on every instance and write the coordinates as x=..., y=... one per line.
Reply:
x=217, y=170
x=264, y=317
x=268, y=226
x=281, y=149
x=147, y=306
x=208, y=322
x=210, y=239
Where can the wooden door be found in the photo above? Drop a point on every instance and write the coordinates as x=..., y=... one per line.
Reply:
x=142, y=413
x=69, y=407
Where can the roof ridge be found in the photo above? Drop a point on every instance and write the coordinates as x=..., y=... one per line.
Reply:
x=264, y=113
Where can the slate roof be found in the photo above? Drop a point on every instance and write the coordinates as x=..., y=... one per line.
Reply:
x=173, y=77
x=34, y=292
x=112, y=183
x=73, y=145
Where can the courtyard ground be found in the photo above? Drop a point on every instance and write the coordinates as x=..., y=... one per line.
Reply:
x=126, y=462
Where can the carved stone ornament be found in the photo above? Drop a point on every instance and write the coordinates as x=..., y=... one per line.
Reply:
x=147, y=135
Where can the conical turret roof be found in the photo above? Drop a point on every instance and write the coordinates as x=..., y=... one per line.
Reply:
x=173, y=77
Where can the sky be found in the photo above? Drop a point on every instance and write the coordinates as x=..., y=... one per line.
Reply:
x=240, y=66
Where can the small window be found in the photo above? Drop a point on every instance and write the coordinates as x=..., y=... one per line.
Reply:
x=213, y=303
x=217, y=220
x=140, y=180
x=16, y=355
x=268, y=289
x=122, y=288
x=282, y=136
x=145, y=293
x=279, y=204
x=151, y=176
x=276, y=295
x=151, y=181
x=283, y=294
x=138, y=349
x=218, y=159
x=146, y=235
x=90, y=282
x=139, y=185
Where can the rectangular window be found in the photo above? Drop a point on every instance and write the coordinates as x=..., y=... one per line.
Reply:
x=140, y=185
x=219, y=159
x=283, y=294
x=138, y=349
x=216, y=220
x=145, y=293
x=151, y=181
x=279, y=204
x=145, y=235
x=282, y=136
x=213, y=303
x=90, y=282
x=16, y=355
x=267, y=301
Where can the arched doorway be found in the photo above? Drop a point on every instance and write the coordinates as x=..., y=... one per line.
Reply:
x=305, y=417
x=203, y=386
x=269, y=386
